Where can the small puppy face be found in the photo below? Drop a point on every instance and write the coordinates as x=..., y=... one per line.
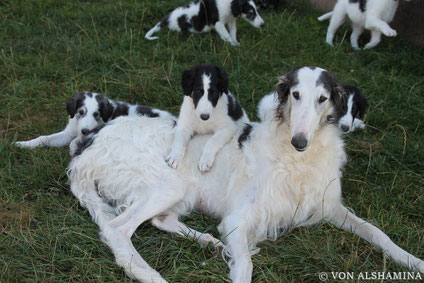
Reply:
x=247, y=10
x=205, y=84
x=90, y=110
x=307, y=96
x=356, y=105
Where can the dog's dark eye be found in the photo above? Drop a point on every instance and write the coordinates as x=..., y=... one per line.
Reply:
x=81, y=112
x=96, y=115
x=322, y=98
x=295, y=95
x=354, y=110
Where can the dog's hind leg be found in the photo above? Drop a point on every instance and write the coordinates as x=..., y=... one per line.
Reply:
x=357, y=30
x=117, y=233
x=337, y=19
x=346, y=220
x=375, y=39
x=170, y=223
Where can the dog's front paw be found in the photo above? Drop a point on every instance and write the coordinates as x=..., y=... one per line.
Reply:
x=389, y=32
x=25, y=144
x=235, y=43
x=358, y=124
x=173, y=159
x=205, y=163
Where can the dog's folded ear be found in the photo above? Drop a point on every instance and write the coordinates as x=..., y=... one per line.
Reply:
x=72, y=104
x=222, y=80
x=105, y=108
x=284, y=84
x=236, y=8
x=187, y=81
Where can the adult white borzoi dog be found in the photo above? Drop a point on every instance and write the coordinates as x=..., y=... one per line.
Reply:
x=281, y=174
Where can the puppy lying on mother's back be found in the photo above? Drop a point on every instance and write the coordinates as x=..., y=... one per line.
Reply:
x=208, y=107
x=204, y=15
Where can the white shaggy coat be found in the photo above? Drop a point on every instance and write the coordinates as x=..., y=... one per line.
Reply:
x=259, y=190
x=377, y=15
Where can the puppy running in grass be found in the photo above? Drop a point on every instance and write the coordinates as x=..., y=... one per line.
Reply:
x=205, y=15
x=373, y=15
x=208, y=107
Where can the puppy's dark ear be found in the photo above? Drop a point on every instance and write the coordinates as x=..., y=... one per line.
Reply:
x=222, y=80
x=362, y=105
x=236, y=8
x=187, y=81
x=71, y=107
x=105, y=108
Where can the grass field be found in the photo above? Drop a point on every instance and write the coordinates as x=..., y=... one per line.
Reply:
x=51, y=48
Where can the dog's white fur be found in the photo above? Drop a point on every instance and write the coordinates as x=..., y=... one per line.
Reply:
x=83, y=119
x=377, y=15
x=258, y=191
x=226, y=17
x=219, y=123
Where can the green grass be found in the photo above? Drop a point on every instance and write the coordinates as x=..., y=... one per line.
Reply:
x=50, y=49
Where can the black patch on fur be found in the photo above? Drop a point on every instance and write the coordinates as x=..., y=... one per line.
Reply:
x=245, y=135
x=105, y=107
x=337, y=94
x=267, y=4
x=146, y=111
x=239, y=7
x=83, y=145
x=121, y=109
x=184, y=23
x=235, y=111
x=286, y=82
x=75, y=102
x=208, y=15
x=360, y=104
x=164, y=23
x=362, y=4
x=192, y=83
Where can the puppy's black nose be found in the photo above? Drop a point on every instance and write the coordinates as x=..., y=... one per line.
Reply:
x=344, y=128
x=262, y=24
x=85, y=131
x=204, y=117
x=299, y=142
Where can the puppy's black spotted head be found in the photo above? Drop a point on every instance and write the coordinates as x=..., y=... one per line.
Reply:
x=205, y=84
x=356, y=105
x=75, y=102
x=247, y=10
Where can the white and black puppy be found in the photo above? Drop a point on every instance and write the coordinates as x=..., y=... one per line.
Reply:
x=204, y=15
x=354, y=102
x=373, y=15
x=208, y=108
x=86, y=111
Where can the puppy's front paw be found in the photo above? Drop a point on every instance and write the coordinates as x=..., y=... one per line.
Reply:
x=235, y=43
x=389, y=32
x=25, y=144
x=358, y=124
x=205, y=163
x=173, y=159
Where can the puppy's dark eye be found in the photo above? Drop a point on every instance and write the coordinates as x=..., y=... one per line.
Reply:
x=81, y=112
x=96, y=115
x=322, y=98
x=296, y=95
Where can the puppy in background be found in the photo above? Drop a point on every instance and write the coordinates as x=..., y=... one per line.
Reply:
x=208, y=108
x=373, y=15
x=204, y=15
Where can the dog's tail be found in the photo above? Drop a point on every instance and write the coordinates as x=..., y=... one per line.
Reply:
x=325, y=16
x=152, y=31
x=346, y=220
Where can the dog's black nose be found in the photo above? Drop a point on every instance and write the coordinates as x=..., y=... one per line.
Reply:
x=85, y=131
x=204, y=117
x=299, y=142
x=262, y=24
x=344, y=128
